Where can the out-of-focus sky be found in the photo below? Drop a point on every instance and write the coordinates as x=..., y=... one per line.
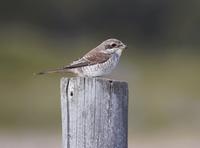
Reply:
x=161, y=65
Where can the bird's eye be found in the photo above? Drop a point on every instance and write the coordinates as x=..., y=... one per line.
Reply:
x=113, y=45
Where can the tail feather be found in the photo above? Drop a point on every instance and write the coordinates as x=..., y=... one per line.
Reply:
x=59, y=70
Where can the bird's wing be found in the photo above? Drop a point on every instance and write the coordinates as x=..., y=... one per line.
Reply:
x=91, y=58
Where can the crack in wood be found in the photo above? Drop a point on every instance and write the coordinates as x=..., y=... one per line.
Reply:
x=96, y=114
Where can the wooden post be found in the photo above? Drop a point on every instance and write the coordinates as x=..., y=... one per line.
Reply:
x=94, y=113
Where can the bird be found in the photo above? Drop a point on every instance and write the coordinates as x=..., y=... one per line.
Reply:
x=99, y=61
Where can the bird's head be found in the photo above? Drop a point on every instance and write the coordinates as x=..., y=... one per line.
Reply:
x=111, y=46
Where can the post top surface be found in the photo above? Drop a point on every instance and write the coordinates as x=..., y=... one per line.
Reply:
x=92, y=78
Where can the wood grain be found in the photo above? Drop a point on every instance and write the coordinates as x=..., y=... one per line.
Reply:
x=94, y=113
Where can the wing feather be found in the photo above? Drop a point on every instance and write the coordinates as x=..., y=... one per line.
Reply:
x=91, y=58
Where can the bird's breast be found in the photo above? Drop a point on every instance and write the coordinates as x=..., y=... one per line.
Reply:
x=101, y=68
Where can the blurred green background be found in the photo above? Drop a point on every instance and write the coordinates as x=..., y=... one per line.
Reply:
x=161, y=65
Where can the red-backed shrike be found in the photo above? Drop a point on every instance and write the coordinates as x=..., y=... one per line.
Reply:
x=97, y=62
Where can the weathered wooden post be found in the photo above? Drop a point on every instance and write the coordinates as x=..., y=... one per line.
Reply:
x=94, y=113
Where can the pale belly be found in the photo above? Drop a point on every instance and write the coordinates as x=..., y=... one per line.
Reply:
x=100, y=69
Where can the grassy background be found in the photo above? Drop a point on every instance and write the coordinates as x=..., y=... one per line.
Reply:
x=161, y=65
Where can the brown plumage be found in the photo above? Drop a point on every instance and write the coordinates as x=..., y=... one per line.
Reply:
x=106, y=51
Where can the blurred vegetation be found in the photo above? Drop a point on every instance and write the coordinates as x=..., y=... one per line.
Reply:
x=161, y=64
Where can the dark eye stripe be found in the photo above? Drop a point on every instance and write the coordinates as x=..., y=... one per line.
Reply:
x=108, y=47
x=113, y=45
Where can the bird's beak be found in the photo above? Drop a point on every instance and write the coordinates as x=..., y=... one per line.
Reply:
x=125, y=46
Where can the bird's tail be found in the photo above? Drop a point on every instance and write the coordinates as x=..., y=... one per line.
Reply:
x=58, y=70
